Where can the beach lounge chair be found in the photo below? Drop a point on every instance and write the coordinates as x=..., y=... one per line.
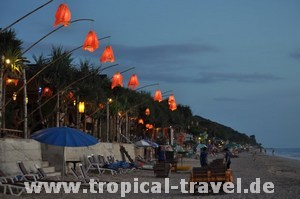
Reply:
x=93, y=165
x=25, y=174
x=14, y=188
x=43, y=175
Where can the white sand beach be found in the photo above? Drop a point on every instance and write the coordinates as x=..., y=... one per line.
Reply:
x=282, y=172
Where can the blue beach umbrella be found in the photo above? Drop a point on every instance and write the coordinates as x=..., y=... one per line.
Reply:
x=64, y=136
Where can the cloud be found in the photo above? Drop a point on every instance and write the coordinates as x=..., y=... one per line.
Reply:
x=162, y=54
x=206, y=78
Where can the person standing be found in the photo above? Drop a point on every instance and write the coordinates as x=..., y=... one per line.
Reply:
x=227, y=158
x=203, y=157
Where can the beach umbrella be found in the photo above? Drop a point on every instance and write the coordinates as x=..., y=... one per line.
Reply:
x=64, y=136
x=142, y=143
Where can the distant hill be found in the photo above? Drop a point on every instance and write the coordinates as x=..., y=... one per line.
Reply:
x=217, y=130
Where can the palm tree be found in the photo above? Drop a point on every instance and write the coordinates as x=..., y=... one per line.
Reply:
x=11, y=62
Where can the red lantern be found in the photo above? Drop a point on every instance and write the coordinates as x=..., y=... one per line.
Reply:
x=108, y=55
x=147, y=111
x=63, y=15
x=117, y=80
x=101, y=106
x=12, y=81
x=91, y=42
x=141, y=121
x=157, y=96
x=173, y=106
x=171, y=99
x=47, y=92
x=133, y=82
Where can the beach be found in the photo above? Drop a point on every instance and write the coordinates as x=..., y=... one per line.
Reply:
x=284, y=173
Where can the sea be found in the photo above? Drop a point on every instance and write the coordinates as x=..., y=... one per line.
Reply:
x=292, y=153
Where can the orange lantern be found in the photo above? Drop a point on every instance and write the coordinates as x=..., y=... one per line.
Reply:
x=147, y=111
x=171, y=99
x=108, y=55
x=70, y=96
x=141, y=121
x=12, y=81
x=63, y=15
x=91, y=42
x=133, y=82
x=101, y=106
x=47, y=92
x=173, y=106
x=117, y=80
x=157, y=96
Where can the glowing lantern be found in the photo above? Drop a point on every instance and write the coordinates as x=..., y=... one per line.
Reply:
x=70, y=96
x=108, y=55
x=149, y=126
x=141, y=121
x=47, y=92
x=158, y=96
x=101, y=106
x=133, y=81
x=81, y=107
x=91, y=42
x=147, y=111
x=171, y=99
x=117, y=80
x=173, y=106
x=12, y=81
x=63, y=15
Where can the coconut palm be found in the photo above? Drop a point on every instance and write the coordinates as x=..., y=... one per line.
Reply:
x=11, y=62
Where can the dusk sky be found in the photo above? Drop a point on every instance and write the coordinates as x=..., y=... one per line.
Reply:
x=233, y=62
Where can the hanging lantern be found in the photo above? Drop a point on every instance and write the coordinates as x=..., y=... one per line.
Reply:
x=81, y=107
x=101, y=106
x=108, y=55
x=147, y=111
x=63, y=15
x=157, y=96
x=70, y=96
x=140, y=121
x=173, y=106
x=91, y=42
x=171, y=99
x=12, y=81
x=47, y=92
x=117, y=80
x=133, y=82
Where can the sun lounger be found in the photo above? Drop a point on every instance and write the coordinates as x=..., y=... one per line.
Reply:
x=14, y=188
x=25, y=174
x=93, y=165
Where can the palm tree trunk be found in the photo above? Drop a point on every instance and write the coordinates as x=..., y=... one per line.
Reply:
x=1, y=96
x=25, y=105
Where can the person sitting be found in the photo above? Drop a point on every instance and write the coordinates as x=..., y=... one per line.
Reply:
x=203, y=157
